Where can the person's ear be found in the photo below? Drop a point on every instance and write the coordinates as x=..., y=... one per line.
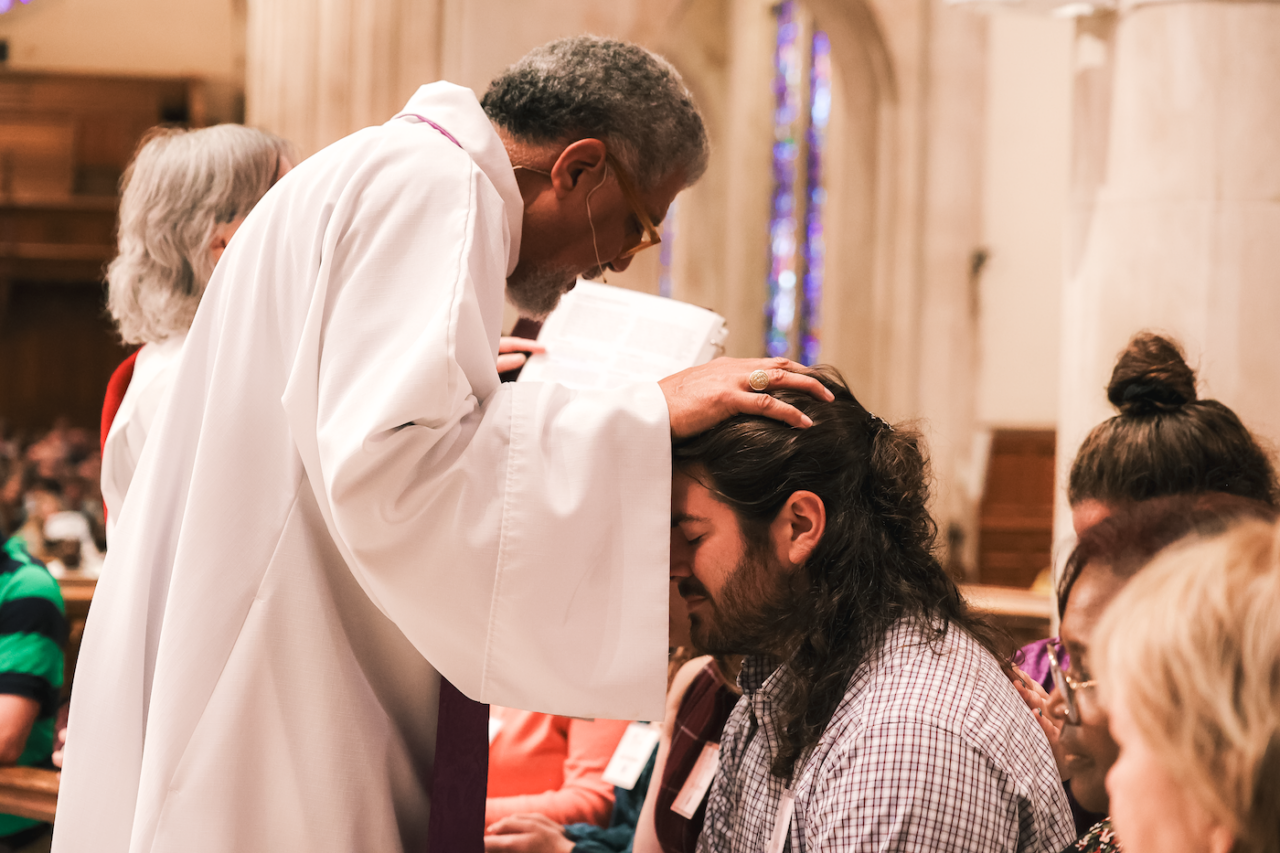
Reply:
x=798, y=528
x=222, y=234
x=580, y=167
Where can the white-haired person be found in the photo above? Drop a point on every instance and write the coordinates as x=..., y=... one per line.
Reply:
x=1188, y=659
x=183, y=197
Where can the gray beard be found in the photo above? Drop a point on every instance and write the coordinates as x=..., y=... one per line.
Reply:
x=536, y=293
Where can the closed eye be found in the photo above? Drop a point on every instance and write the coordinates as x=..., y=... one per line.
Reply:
x=692, y=536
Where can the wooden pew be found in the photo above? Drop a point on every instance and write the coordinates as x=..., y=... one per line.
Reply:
x=1026, y=615
x=1015, y=526
x=77, y=593
x=29, y=792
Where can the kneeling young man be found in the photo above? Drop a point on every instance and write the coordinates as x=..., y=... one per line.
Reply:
x=876, y=713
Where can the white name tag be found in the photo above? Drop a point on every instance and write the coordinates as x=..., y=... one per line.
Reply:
x=696, y=786
x=632, y=755
x=495, y=726
x=782, y=824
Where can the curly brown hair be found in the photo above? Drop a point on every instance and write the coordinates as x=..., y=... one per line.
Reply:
x=875, y=564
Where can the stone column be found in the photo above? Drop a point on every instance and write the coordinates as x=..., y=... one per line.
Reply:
x=317, y=70
x=1176, y=218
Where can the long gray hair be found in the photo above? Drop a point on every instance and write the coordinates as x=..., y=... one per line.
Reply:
x=587, y=86
x=181, y=185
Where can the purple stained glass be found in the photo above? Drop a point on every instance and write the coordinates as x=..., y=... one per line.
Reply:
x=784, y=256
x=815, y=245
x=797, y=249
x=664, y=248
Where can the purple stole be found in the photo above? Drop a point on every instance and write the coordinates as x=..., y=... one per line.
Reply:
x=460, y=774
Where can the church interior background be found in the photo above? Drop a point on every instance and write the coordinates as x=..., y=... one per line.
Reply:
x=966, y=207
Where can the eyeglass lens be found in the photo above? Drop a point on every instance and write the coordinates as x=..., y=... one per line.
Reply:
x=1059, y=662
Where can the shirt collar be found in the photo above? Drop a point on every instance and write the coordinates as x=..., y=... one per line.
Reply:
x=759, y=672
x=456, y=109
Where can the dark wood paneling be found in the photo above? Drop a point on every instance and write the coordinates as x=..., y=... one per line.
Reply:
x=57, y=350
x=108, y=114
x=64, y=142
x=1015, y=534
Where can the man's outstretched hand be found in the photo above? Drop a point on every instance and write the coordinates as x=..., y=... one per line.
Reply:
x=701, y=397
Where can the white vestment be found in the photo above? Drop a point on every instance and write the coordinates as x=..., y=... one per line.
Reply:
x=152, y=375
x=340, y=504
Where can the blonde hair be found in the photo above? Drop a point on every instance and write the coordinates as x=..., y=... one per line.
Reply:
x=181, y=185
x=1195, y=641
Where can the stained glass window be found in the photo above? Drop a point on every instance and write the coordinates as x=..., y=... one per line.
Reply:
x=664, y=248
x=787, y=82
x=802, y=109
x=815, y=248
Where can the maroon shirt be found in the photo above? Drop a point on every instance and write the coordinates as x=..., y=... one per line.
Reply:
x=703, y=712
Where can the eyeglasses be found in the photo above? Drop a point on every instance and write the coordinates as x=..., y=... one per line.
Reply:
x=1066, y=685
x=651, y=237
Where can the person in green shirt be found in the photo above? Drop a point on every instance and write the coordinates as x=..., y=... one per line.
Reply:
x=33, y=633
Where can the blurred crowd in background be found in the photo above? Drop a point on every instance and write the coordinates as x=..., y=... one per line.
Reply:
x=50, y=496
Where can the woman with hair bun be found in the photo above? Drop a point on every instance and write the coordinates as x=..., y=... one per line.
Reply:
x=183, y=197
x=1164, y=442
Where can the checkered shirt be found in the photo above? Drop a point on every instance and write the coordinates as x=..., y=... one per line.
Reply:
x=928, y=751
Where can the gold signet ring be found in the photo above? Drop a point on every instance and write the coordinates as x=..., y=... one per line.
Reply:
x=758, y=380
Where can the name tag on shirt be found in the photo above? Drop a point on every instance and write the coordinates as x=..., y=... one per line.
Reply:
x=782, y=823
x=495, y=726
x=696, y=786
x=632, y=755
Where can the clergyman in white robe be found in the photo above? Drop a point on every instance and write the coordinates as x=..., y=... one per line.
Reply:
x=340, y=505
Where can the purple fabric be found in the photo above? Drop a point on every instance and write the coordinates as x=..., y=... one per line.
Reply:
x=460, y=775
x=1033, y=659
x=447, y=134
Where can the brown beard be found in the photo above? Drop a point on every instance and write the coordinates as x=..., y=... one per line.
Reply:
x=757, y=611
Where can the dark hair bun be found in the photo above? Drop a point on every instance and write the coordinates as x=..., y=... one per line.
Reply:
x=1151, y=376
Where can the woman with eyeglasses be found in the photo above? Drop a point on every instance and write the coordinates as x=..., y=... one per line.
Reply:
x=1106, y=558
x=1164, y=441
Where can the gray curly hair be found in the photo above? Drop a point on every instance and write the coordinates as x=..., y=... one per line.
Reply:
x=620, y=93
x=180, y=186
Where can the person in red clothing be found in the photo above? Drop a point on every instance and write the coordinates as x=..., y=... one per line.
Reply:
x=548, y=765
x=185, y=194
x=699, y=702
